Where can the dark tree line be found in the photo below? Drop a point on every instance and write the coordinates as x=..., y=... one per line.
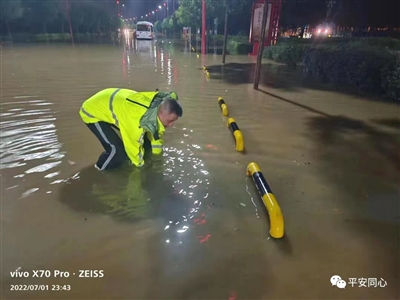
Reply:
x=347, y=13
x=51, y=16
x=100, y=16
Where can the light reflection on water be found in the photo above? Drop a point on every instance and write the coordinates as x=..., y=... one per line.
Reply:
x=29, y=138
x=162, y=61
x=169, y=71
x=156, y=54
x=189, y=178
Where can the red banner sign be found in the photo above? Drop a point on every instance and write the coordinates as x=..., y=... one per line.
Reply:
x=256, y=23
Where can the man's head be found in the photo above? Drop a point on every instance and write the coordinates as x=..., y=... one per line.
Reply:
x=169, y=111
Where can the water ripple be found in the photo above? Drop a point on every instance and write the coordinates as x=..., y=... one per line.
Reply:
x=29, y=135
x=29, y=192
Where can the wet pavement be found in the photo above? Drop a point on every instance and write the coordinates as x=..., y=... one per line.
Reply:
x=192, y=226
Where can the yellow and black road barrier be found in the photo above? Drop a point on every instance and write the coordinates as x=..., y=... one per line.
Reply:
x=237, y=134
x=274, y=210
x=206, y=71
x=223, y=106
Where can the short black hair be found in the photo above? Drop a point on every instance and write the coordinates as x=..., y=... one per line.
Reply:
x=172, y=106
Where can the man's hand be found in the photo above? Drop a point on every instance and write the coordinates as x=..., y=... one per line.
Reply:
x=156, y=157
x=130, y=163
x=157, y=163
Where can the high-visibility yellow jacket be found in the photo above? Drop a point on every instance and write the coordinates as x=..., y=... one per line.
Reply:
x=133, y=113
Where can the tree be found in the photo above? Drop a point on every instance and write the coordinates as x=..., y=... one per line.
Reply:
x=44, y=11
x=166, y=24
x=77, y=17
x=115, y=23
x=92, y=17
x=189, y=11
x=10, y=11
x=158, y=26
x=103, y=21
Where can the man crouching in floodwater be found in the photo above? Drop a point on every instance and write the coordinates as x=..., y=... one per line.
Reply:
x=137, y=115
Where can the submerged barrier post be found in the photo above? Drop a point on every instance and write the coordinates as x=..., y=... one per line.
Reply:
x=237, y=134
x=274, y=211
x=206, y=71
x=223, y=106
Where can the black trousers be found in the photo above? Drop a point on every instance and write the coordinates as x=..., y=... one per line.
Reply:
x=114, y=154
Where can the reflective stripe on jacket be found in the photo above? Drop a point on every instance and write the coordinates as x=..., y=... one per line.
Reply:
x=156, y=145
x=124, y=108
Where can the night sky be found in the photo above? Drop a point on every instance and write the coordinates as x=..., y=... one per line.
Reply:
x=137, y=8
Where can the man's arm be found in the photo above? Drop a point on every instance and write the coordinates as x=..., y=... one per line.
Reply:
x=133, y=138
x=156, y=145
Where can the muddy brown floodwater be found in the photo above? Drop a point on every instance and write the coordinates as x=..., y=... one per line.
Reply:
x=192, y=226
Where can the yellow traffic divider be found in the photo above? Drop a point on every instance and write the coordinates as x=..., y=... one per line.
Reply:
x=223, y=106
x=274, y=210
x=206, y=71
x=237, y=134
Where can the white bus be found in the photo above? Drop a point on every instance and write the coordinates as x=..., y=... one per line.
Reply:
x=144, y=30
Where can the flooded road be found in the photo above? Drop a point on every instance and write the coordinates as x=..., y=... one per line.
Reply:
x=192, y=226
